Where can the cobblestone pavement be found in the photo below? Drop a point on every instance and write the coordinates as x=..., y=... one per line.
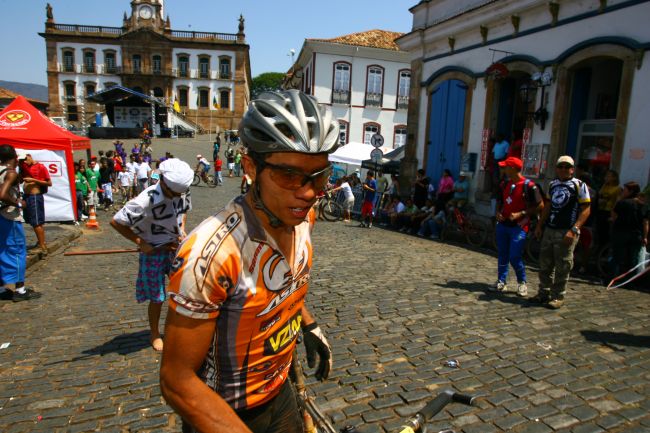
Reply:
x=394, y=307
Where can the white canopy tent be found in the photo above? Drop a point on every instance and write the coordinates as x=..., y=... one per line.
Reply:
x=354, y=153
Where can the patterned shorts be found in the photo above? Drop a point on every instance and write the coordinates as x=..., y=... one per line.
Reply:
x=150, y=285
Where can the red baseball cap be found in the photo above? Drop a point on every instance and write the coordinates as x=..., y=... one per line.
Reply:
x=513, y=162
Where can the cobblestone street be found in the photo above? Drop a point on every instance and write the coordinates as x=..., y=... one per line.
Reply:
x=394, y=308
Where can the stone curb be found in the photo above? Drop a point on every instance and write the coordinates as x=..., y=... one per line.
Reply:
x=73, y=232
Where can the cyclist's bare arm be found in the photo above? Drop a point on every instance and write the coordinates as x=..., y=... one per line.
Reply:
x=187, y=341
x=307, y=318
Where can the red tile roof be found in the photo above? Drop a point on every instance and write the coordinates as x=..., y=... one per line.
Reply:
x=8, y=94
x=372, y=38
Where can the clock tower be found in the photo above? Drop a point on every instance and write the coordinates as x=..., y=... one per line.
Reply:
x=147, y=13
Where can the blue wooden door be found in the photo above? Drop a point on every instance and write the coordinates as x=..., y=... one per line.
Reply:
x=446, y=129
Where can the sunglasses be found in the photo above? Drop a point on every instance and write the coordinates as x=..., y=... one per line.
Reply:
x=292, y=179
x=565, y=166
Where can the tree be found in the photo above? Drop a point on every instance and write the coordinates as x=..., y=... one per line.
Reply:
x=266, y=82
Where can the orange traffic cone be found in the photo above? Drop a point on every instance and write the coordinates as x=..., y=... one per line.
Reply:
x=92, y=219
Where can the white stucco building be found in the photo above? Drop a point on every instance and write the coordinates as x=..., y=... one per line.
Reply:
x=570, y=75
x=364, y=77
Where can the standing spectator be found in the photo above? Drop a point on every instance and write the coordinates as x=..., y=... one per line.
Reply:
x=215, y=147
x=517, y=144
x=567, y=211
x=218, y=165
x=370, y=187
x=445, y=189
x=142, y=174
x=607, y=197
x=420, y=188
x=230, y=159
x=155, y=222
x=13, y=246
x=382, y=186
x=106, y=182
x=125, y=181
x=520, y=199
x=500, y=150
x=36, y=180
x=81, y=186
x=628, y=232
x=393, y=191
x=130, y=167
x=238, y=163
x=93, y=179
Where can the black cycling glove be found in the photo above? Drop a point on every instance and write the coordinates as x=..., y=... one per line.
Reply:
x=315, y=342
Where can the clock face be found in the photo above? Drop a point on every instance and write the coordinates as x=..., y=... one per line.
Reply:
x=146, y=12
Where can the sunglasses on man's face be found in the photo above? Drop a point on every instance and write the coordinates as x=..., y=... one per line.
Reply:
x=293, y=179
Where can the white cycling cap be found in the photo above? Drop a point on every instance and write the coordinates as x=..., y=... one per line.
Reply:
x=177, y=174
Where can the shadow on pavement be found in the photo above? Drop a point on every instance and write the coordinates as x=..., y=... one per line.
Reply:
x=122, y=345
x=488, y=296
x=614, y=339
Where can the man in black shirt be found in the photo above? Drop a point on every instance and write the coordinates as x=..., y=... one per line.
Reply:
x=561, y=220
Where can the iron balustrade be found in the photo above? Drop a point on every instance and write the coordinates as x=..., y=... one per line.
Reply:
x=340, y=97
x=373, y=99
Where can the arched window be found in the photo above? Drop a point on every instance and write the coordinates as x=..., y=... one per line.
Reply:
x=204, y=66
x=136, y=63
x=370, y=129
x=403, y=88
x=68, y=60
x=224, y=98
x=341, y=83
x=156, y=64
x=110, y=64
x=89, y=61
x=204, y=97
x=224, y=68
x=399, y=138
x=344, y=132
x=70, y=90
x=183, y=65
x=375, y=86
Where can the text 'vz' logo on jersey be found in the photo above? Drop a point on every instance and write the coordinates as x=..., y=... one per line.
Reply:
x=284, y=336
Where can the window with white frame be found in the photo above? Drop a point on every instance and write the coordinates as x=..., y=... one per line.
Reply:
x=400, y=136
x=342, y=77
x=89, y=62
x=136, y=63
x=404, y=83
x=375, y=76
x=224, y=98
x=204, y=67
x=68, y=61
x=156, y=64
x=370, y=129
x=109, y=62
x=183, y=66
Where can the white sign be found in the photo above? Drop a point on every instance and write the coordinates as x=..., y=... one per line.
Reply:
x=376, y=155
x=58, y=200
x=377, y=140
x=131, y=117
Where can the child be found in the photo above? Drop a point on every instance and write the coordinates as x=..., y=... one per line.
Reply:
x=155, y=221
x=125, y=179
x=218, y=164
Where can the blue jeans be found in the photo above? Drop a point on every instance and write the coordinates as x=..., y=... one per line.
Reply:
x=510, y=244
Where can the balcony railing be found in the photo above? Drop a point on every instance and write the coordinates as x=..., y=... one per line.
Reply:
x=66, y=67
x=180, y=34
x=225, y=75
x=204, y=74
x=340, y=97
x=89, y=69
x=373, y=99
x=112, y=69
x=402, y=102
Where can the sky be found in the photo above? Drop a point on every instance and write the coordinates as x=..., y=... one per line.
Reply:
x=273, y=28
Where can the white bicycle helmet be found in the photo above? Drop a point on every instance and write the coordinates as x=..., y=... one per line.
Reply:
x=288, y=121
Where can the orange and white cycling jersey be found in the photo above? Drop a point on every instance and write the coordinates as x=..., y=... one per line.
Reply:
x=230, y=270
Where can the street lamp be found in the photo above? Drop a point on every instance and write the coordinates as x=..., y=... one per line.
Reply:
x=292, y=53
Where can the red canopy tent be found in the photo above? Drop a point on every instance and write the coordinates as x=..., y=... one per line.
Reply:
x=24, y=127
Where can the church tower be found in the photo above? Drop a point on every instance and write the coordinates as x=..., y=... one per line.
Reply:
x=147, y=13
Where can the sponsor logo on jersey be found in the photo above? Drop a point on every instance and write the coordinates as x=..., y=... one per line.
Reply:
x=192, y=305
x=212, y=246
x=292, y=285
x=284, y=336
x=264, y=326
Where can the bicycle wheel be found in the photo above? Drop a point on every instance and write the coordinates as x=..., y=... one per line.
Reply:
x=604, y=260
x=533, y=248
x=210, y=182
x=332, y=211
x=196, y=180
x=475, y=232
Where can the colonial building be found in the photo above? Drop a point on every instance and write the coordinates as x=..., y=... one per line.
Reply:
x=207, y=74
x=364, y=77
x=569, y=76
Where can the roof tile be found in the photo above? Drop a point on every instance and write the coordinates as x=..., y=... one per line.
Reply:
x=372, y=38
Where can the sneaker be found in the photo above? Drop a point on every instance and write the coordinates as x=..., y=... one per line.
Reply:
x=29, y=294
x=84, y=217
x=542, y=297
x=369, y=225
x=500, y=286
x=6, y=295
x=44, y=252
x=434, y=237
x=556, y=303
x=522, y=290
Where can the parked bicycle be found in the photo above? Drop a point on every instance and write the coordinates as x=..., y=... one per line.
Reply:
x=200, y=175
x=328, y=207
x=465, y=222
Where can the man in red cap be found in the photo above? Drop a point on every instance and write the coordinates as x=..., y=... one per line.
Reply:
x=518, y=200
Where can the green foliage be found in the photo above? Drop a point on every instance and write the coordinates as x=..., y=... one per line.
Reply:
x=265, y=82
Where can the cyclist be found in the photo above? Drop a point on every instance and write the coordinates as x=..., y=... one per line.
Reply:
x=518, y=200
x=202, y=167
x=239, y=280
